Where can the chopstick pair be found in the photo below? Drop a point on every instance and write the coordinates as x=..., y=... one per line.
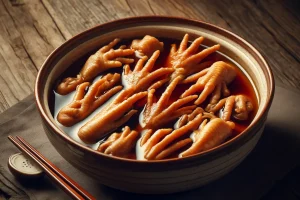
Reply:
x=59, y=177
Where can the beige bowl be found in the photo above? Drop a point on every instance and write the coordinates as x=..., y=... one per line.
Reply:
x=166, y=176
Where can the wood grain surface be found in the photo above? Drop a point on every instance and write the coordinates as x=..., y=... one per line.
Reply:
x=31, y=29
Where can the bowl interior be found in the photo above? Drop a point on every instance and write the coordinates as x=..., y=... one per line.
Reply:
x=246, y=57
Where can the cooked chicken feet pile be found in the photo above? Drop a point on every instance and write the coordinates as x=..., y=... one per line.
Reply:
x=172, y=122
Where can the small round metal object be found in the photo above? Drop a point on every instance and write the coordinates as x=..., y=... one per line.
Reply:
x=23, y=167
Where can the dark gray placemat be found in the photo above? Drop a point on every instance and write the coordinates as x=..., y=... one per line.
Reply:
x=276, y=154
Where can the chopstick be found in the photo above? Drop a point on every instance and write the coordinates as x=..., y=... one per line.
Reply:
x=64, y=181
x=65, y=177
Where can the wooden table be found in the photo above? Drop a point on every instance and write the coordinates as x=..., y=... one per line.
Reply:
x=31, y=29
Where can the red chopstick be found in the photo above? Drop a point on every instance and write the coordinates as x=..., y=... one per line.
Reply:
x=64, y=181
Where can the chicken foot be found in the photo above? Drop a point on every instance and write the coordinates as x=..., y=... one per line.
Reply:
x=120, y=144
x=157, y=114
x=141, y=77
x=111, y=117
x=237, y=106
x=84, y=104
x=104, y=59
x=186, y=60
x=213, y=80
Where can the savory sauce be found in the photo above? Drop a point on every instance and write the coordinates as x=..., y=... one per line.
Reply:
x=240, y=85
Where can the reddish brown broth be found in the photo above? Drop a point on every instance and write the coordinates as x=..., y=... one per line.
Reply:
x=241, y=85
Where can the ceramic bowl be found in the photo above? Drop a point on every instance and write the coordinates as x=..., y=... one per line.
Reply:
x=165, y=176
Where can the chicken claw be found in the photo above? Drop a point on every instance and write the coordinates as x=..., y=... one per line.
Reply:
x=141, y=77
x=156, y=145
x=120, y=144
x=186, y=60
x=238, y=107
x=111, y=117
x=210, y=135
x=104, y=59
x=184, y=119
x=84, y=104
x=147, y=46
x=213, y=80
x=157, y=114
x=146, y=136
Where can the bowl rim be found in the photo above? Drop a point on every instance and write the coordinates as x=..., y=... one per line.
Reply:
x=246, y=134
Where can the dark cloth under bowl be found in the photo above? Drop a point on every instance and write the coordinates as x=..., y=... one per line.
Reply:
x=274, y=158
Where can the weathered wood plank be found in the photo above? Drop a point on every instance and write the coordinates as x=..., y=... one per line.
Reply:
x=32, y=29
x=16, y=82
x=38, y=32
x=248, y=21
x=211, y=15
x=74, y=19
x=285, y=20
x=139, y=8
x=27, y=36
x=243, y=18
